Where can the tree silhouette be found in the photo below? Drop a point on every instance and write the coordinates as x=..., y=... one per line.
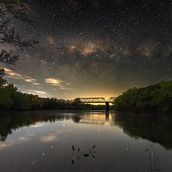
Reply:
x=2, y=81
x=9, y=37
x=153, y=99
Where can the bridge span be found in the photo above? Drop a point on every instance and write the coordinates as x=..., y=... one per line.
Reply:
x=98, y=100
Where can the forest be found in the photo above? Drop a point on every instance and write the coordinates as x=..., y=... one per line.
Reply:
x=12, y=99
x=154, y=99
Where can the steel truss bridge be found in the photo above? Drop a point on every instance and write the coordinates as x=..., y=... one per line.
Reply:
x=97, y=100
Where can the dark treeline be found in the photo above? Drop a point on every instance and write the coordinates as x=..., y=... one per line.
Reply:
x=12, y=99
x=156, y=99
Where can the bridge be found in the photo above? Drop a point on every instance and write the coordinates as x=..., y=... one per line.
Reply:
x=98, y=100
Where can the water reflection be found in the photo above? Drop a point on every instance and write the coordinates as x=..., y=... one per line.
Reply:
x=152, y=127
x=84, y=141
x=156, y=128
x=97, y=118
x=10, y=122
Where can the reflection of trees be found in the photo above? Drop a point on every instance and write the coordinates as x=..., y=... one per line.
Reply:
x=154, y=128
x=10, y=122
x=76, y=119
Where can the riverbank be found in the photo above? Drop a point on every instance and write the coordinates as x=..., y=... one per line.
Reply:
x=152, y=99
x=13, y=100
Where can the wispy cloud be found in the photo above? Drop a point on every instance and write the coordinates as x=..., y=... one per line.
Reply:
x=37, y=92
x=15, y=75
x=53, y=81
x=62, y=87
x=58, y=82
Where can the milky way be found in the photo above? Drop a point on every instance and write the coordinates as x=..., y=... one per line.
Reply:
x=95, y=47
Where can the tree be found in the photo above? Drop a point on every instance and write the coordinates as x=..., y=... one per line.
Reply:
x=156, y=98
x=2, y=80
x=77, y=101
x=9, y=37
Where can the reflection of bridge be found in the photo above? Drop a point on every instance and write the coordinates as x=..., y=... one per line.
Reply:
x=97, y=100
x=96, y=119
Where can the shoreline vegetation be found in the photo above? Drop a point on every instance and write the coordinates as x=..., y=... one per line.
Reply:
x=152, y=99
x=13, y=100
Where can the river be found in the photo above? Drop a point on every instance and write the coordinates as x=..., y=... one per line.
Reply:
x=81, y=141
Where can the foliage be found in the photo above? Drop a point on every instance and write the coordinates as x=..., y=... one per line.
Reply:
x=9, y=37
x=2, y=80
x=12, y=99
x=156, y=98
x=18, y=8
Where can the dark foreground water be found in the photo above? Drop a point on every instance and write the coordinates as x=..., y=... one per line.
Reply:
x=85, y=141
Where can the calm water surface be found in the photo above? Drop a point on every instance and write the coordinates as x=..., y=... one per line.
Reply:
x=85, y=142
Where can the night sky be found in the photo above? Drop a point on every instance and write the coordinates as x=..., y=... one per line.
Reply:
x=94, y=47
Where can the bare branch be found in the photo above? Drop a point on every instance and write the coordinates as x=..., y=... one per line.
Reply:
x=8, y=34
x=8, y=57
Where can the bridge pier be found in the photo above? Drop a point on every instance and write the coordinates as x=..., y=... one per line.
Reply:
x=107, y=106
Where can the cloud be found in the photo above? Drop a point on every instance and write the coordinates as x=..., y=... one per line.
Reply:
x=15, y=75
x=12, y=74
x=57, y=82
x=65, y=88
x=37, y=92
x=53, y=81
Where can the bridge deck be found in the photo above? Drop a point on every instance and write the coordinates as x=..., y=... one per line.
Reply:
x=97, y=100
